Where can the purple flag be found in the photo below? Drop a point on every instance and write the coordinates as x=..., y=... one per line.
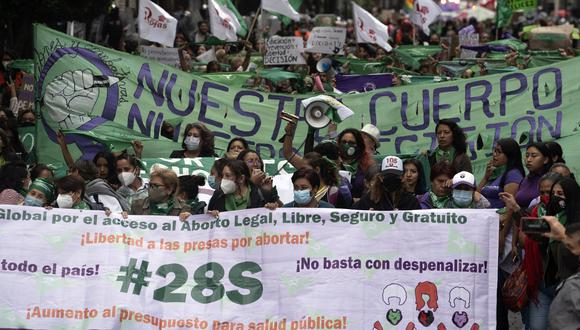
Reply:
x=363, y=82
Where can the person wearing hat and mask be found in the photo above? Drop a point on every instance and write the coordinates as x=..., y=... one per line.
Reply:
x=464, y=195
x=386, y=192
x=371, y=135
x=41, y=193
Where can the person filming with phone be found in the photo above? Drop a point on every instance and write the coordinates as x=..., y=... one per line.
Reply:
x=548, y=262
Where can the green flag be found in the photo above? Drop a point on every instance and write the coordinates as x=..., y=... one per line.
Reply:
x=285, y=19
x=503, y=15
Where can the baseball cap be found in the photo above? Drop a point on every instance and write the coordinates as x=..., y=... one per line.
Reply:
x=463, y=177
x=392, y=164
x=372, y=131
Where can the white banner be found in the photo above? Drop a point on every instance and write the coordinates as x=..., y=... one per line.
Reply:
x=169, y=56
x=256, y=269
x=284, y=50
x=155, y=24
x=326, y=40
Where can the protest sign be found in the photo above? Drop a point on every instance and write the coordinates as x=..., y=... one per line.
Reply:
x=255, y=269
x=168, y=56
x=326, y=40
x=284, y=50
x=471, y=39
x=527, y=105
x=26, y=95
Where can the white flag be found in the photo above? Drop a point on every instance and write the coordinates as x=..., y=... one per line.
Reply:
x=424, y=13
x=282, y=7
x=225, y=22
x=155, y=24
x=369, y=29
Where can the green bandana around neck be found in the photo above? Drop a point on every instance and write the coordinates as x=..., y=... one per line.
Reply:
x=234, y=203
x=442, y=155
x=439, y=202
x=161, y=208
x=499, y=171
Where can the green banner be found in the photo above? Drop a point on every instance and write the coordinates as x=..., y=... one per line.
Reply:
x=95, y=90
x=522, y=4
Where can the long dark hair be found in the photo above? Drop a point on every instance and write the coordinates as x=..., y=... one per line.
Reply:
x=459, y=138
x=239, y=168
x=421, y=186
x=11, y=176
x=242, y=140
x=243, y=154
x=572, y=193
x=556, y=151
x=111, y=165
x=364, y=159
x=328, y=169
x=512, y=151
x=207, y=145
x=543, y=149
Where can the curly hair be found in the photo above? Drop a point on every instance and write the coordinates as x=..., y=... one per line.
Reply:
x=207, y=145
x=459, y=138
x=364, y=159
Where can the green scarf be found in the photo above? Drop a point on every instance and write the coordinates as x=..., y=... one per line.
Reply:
x=352, y=167
x=82, y=205
x=438, y=202
x=562, y=218
x=499, y=171
x=234, y=203
x=442, y=155
x=161, y=208
x=44, y=186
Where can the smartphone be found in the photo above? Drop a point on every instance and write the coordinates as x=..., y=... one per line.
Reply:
x=535, y=225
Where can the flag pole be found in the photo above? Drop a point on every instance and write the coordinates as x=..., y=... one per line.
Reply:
x=253, y=23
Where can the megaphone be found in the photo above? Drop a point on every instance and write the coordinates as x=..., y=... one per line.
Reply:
x=315, y=115
x=324, y=65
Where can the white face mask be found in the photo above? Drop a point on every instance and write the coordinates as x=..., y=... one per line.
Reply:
x=64, y=201
x=126, y=178
x=228, y=186
x=192, y=143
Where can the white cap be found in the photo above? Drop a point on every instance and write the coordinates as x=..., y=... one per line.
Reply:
x=392, y=164
x=372, y=131
x=463, y=178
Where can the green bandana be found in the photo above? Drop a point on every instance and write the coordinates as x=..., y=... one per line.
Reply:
x=438, y=202
x=234, y=203
x=442, y=155
x=499, y=171
x=161, y=208
x=45, y=187
x=352, y=167
x=562, y=218
x=82, y=205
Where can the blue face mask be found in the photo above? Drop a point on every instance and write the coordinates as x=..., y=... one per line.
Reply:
x=302, y=197
x=462, y=198
x=32, y=201
x=211, y=182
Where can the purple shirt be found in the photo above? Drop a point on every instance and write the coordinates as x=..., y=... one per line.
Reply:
x=528, y=190
x=492, y=189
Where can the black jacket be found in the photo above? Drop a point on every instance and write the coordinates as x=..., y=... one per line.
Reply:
x=258, y=198
x=406, y=202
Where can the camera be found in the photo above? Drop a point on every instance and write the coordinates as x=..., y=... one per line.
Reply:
x=535, y=225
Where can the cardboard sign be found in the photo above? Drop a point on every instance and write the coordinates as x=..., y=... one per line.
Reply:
x=169, y=56
x=327, y=40
x=284, y=50
x=471, y=39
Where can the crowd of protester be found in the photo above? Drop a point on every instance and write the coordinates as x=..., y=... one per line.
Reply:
x=340, y=172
